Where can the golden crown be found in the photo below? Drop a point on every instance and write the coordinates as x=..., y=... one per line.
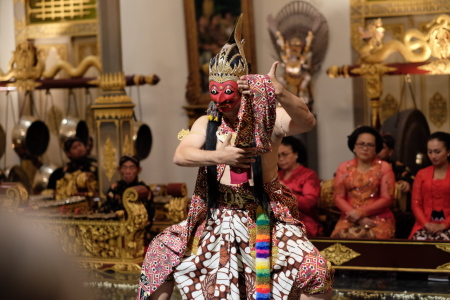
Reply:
x=230, y=62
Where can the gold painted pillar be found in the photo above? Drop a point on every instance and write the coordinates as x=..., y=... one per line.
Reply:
x=113, y=110
x=113, y=115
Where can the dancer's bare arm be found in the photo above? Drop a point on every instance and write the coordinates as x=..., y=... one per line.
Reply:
x=294, y=117
x=190, y=152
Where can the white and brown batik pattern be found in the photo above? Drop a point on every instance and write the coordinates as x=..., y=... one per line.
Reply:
x=223, y=265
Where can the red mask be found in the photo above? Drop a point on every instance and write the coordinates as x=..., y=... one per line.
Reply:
x=225, y=95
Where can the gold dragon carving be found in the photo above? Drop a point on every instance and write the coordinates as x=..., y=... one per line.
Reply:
x=413, y=48
x=439, y=42
x=28, y=64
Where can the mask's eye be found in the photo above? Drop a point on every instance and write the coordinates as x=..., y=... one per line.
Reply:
x=214, y=92
x=229, y=91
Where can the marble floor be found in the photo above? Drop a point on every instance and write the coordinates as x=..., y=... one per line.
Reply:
x=348, y=285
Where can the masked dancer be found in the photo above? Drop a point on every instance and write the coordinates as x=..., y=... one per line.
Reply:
x=242, y=238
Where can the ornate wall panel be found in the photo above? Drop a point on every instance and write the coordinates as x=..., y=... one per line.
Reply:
x=399, y=16
x=45, y=19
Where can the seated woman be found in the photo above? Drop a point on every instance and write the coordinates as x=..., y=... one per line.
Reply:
x=302, y=181
x=402, y=173
x=431, y=192
x=364, y=189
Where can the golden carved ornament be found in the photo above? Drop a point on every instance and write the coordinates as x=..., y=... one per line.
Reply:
x=80, y=70
x=389, y=106
x=149, y=79
x=90, y=265
x=444, y=247
x=110, y=81
x=333, y=71
x=127, y=148
x=126, y=268
x=113, y=99
x=444, y=267
x=74, y=182
x=105, y=243
x=437, y=67
x=339, y=254
x=109, y=154
x=361, y=10
x=177, y=209
x=326, y=199
x=102, y=242
x=373, y=73
x=439, y=37
x=84, y=28
x=15, y=196
x=26, y=65
x=61, y=50
x=437, y=110
x=375, y=112
x=414, y=46
x=113, y=113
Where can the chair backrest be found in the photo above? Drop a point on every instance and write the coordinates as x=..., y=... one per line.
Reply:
x=326, y=199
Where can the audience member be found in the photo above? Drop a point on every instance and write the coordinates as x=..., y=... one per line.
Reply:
x=303, y=182
x=403, y=175
x=404, y=179
x=364, y=189
x=431, y=192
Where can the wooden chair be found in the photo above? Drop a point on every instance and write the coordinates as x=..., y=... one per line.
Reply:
x=329, y=214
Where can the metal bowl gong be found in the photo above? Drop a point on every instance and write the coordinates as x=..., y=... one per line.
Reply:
x=30, y=137
x=2, y=141
x=411, y=131
x=42, y=176
x=71, y=127
x=142, y=139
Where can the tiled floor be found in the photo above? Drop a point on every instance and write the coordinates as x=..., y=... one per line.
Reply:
x=348, y=285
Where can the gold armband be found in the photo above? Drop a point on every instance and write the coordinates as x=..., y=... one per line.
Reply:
x=185, y=132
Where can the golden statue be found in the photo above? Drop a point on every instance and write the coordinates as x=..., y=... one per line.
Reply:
x=299, y=33
x=297, y=58
x=25, y=66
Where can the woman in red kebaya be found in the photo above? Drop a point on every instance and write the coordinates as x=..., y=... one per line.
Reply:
x=431, y=192
x=302, y=181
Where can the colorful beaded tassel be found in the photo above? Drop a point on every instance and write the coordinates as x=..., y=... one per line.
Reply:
x=262, y=255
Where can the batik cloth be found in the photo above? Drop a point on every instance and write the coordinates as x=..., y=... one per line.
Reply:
x=215, y=258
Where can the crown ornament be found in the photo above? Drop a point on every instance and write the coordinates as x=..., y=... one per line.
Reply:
x=230, y=62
